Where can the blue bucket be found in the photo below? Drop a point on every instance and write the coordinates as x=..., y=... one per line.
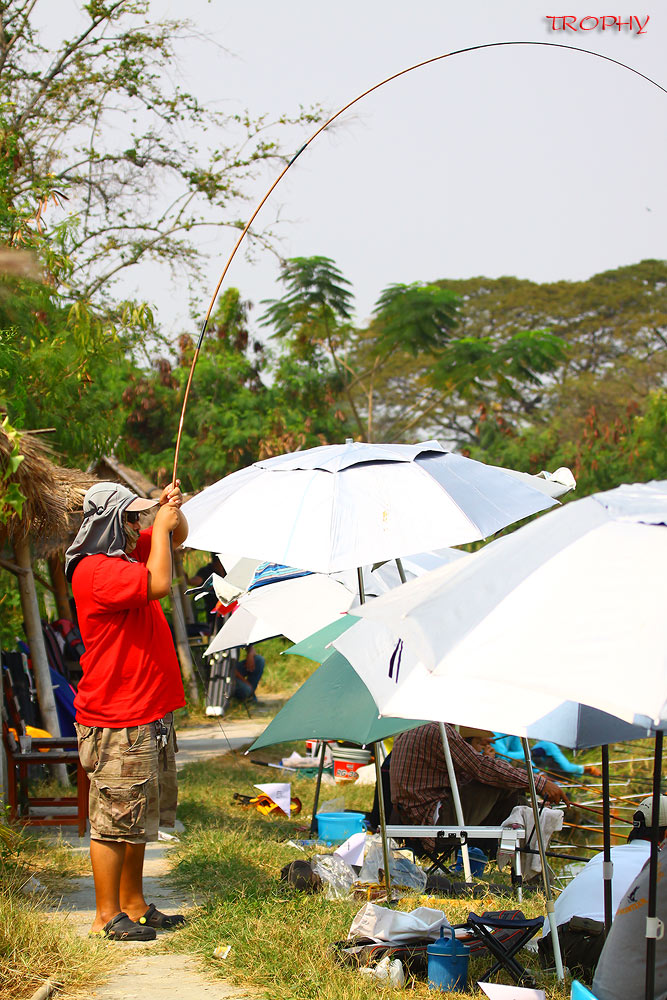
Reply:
x=478, y=861
x=338, y=826
x=447, y=963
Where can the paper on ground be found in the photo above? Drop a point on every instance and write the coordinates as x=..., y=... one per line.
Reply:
x=279, y=791
x=352, y=850
x=496, y=991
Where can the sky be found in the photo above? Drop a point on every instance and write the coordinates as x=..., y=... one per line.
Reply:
x=541, y=163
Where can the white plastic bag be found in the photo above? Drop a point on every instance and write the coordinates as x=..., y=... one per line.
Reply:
x=403, y=873
x=337, y=876
x=386, y=971
x=380, y=924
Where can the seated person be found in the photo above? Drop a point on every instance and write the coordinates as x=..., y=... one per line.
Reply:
x=621, y=970
x=247, y=675
x=579, y=910
x=489, y=787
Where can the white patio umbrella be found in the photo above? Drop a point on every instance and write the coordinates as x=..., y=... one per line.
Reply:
x=298, y=607
x=572, y=605
x=342, y=506
x=567, y=609
x=293, y=608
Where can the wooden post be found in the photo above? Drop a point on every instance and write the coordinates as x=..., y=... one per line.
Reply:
x=35, y=637
x=59, y=583
x=182, y=645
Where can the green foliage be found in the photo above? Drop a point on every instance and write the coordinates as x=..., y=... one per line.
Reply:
x=415, y=318
x=629, y=448
x=11, y=614
x=244, y=403
x=91, y=129
x=63, y=364
x=11, y=497
x=315, y=307
x=477, y=367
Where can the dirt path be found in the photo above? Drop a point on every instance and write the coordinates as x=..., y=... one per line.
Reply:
x=145, y=972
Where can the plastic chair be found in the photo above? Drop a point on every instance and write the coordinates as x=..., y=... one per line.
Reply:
x=581, y=992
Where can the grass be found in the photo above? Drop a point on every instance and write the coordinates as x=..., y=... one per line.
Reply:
x=283, y=674
x=230, y=860
x=35, y=946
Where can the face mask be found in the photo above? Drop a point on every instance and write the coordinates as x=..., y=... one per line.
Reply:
x=132, y=532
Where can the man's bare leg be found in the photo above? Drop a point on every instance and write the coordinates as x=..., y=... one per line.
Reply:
x=132, y=899
x=107, y=858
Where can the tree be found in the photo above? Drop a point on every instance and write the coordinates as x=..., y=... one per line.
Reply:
x=244, y=405
x=525, y=354
x=613, y=328
x=105, y=164
x=630, y=448
x=96, y=131
x=411, y=363
x=312, y=324
x=62, y=365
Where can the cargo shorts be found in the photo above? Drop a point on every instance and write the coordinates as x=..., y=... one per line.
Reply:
x=133, y=786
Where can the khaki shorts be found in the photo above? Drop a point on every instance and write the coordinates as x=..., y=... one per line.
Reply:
x=132, y=784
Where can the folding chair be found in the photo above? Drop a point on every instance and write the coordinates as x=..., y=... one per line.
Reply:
x=503, y=948
x=448, y=838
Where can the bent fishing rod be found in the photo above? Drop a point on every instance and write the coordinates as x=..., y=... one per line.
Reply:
x=322, y=128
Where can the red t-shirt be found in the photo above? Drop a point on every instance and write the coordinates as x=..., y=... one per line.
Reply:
x=130, y=671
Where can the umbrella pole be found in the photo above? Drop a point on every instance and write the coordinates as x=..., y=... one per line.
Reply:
x=378, y=775
x=313, y=822
x=458, y=809
x=383, y=819
x=401, y=571
x=607, y=864
x=654, y=927
x=551, y=916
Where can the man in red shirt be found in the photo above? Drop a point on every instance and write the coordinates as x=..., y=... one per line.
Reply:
x=130, y=687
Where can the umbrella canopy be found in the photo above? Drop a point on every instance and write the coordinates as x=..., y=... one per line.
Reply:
x=317, y=646
x=294, y=608
x=298, y=607
x=567, y=608
x=333, y=704
x=341, y=506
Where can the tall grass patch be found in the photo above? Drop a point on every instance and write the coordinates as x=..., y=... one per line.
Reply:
x=35, y=945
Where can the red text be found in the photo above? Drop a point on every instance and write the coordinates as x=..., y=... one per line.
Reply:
x=602, y=22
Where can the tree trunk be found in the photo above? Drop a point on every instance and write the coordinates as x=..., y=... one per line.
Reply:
x=35, y=637
x=182, y=645
x=186, y=603
x=60, y=591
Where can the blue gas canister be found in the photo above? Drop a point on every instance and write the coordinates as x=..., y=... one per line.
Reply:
x=447, y=963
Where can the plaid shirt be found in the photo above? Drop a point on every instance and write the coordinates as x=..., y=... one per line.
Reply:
x=418, y=771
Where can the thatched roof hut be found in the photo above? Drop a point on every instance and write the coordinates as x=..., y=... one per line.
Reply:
x=52, y=493
x=109, y=468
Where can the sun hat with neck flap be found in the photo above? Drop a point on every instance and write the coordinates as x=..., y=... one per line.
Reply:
x=102, y=531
